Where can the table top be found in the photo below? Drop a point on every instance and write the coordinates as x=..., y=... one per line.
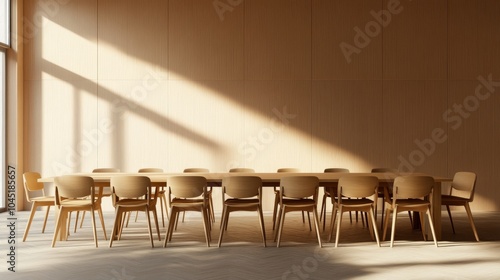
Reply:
x=267, y=177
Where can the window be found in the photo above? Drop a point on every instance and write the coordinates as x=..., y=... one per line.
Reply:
x=3, y=166
x=4, y=23
x=4, y=44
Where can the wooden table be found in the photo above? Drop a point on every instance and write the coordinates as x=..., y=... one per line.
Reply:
x=272, y=180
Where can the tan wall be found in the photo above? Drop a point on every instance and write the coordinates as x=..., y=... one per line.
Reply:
x=263, y=84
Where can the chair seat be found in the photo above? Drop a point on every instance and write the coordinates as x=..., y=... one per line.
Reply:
x=357, y=202
x=453, y=200
x=242, y=202
x=77, y=203
x=298, y=202
x=128, y=202
x=49, y=199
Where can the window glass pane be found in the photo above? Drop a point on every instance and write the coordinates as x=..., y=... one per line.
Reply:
x=5, y=22
x=2, y=131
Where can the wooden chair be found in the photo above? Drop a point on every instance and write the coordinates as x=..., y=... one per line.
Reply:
x=189, y=194
x=356, y=193
x=277, y=197
x=298, y=193
x=105, y=192
x=74, y=193
x=160, y=194
x=209, y=192
x=328, y=192
x=381, y=192
x=461, y=194
x=244, y=194
x=410, y=193
x=130, y=194
x=31, y=185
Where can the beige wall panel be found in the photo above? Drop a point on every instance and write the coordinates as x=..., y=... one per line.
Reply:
x=206, y=125
x=61, y=120
x=133, y=127
x=338, y=53
x=463, y=44
x=278, y=118
x=347, y=119
x=133, y=40
x=472, y=117
x=415, y=41
x=489, y=37
x=413, y=114
x=474, y=47
x=277, y=39
x=60, y=40
x=201, y=45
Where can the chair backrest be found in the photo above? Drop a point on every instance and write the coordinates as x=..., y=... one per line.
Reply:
x=358, y=186
x=299, y=186
x=129, y=186
x=336, y=170
x=463, y=185
x=241, y=170
x=242, y=186
x=31, y=184
x=288, y=170
x=106, y=170
x=196, y=170
x=187, y=186
x=414, y=186
x=74, y=186
x=384, y=170
x=150, y=170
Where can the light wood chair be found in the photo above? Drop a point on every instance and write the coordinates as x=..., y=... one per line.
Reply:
x=277, y=197
x=31, y=186
x=461, y=194
x=244, y=194
x=160, y=195
x=74, y=193
x=209, y=192
x=105, y=192
x=355, y=193
x=130, y=193
x=381, y=192
x=298, y=193
x=328, y=192
x=189, y=194
x=410, y=193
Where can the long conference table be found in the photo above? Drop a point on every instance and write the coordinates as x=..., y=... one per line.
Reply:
x=272, y=180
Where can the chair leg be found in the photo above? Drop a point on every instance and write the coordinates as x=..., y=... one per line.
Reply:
x=451, y=219
x=316, y=223
x=93, y=227
x=32, y=214
x=371, y=215
x=393, y=229
x=76, y=220
x=431, y=224
x=275, y=209
x=56, y=231
x=280, y=226
x=225, y=215
x=332, y=223
x=45, y=219
x=339, y=222
x=171, y=225
x=386, y=223
x=471, y=220
x=101, y=217
x=118, y=221
x=83, y=218
x=149, y=227
x=206, y=221
x=155, y=217
x=262, y=227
